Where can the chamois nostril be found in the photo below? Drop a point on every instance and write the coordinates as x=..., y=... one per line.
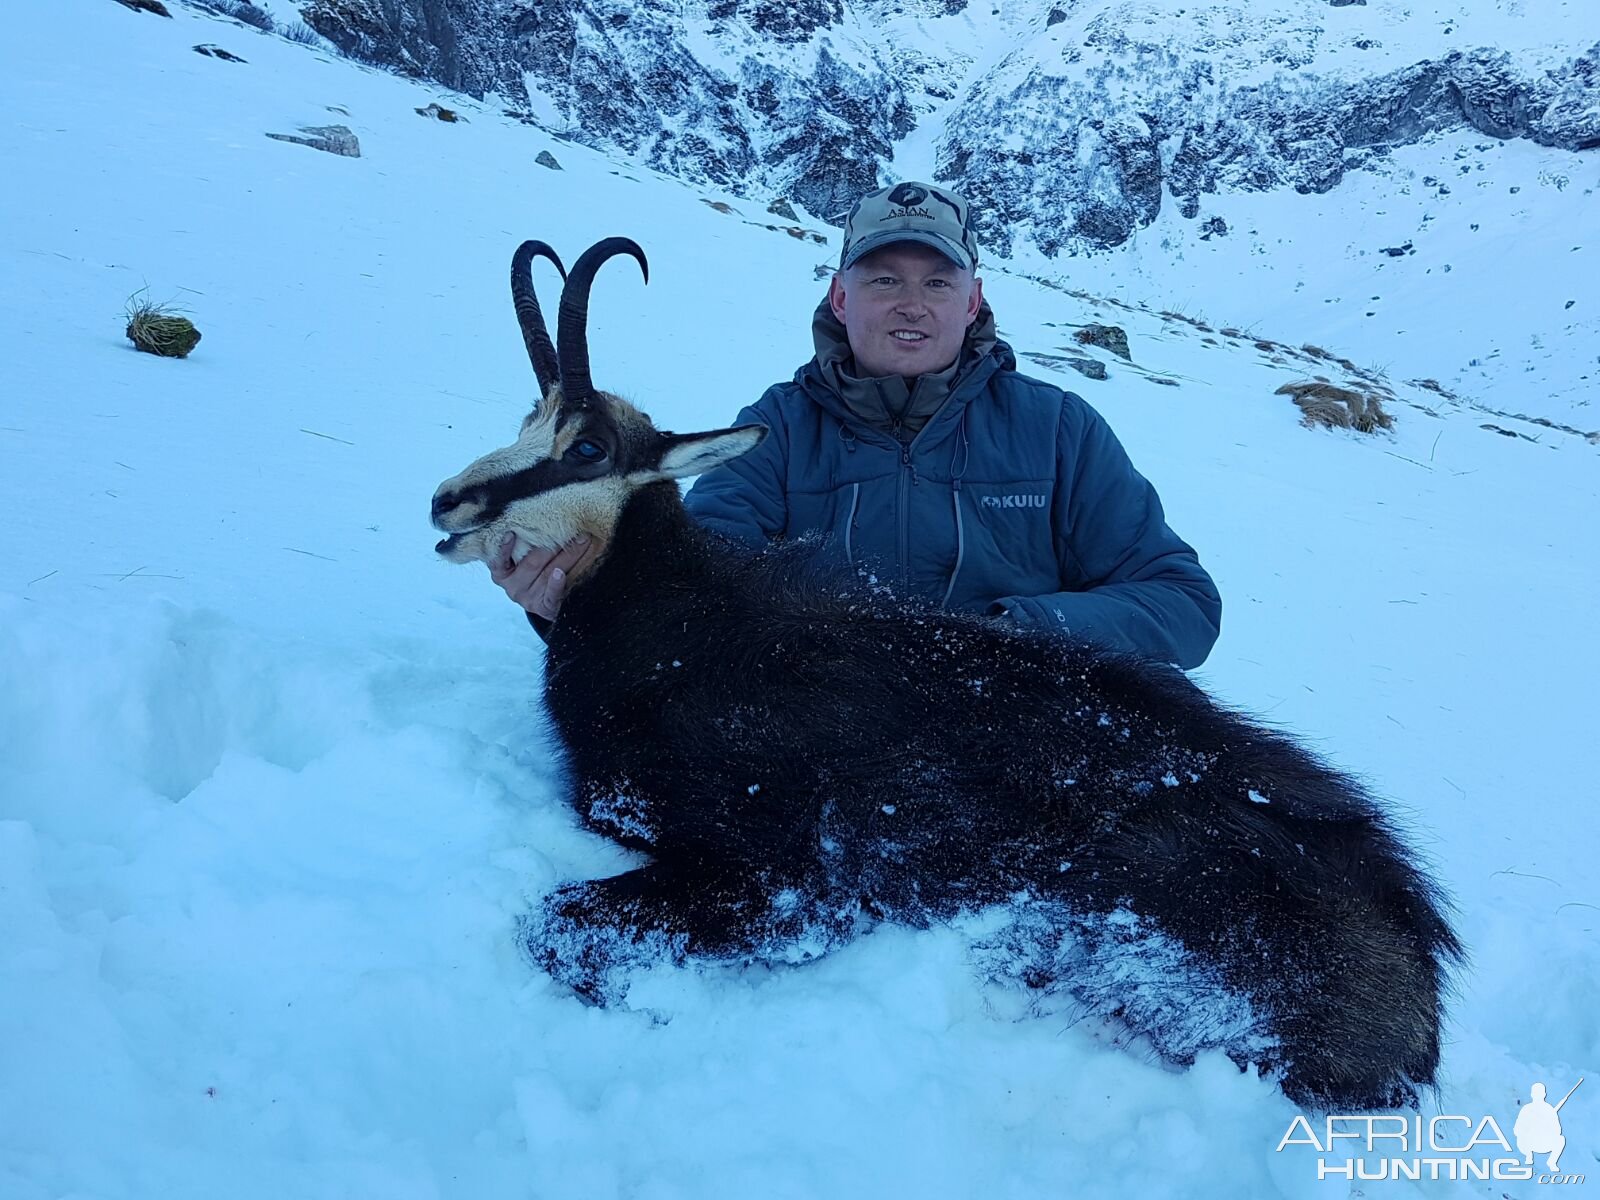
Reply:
x=443, y=503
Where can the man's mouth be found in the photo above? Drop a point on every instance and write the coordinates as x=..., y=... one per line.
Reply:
x=908, y=335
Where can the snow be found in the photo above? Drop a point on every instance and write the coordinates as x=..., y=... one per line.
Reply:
x=274, y=786
x=1483, y=217
x=1485, y=220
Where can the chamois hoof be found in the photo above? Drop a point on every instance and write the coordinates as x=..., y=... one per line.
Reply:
x=587, y=936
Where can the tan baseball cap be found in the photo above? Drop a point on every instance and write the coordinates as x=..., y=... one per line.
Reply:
x=911, y=212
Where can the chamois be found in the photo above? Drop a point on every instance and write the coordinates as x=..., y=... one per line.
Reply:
x=802, y=756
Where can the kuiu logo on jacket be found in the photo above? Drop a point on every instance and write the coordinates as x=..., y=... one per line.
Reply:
x=1023, y=501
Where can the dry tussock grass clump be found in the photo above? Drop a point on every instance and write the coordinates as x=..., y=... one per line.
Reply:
x=1336, y=407
x=160, y=329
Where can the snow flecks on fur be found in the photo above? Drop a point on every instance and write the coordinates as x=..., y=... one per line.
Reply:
x=618, y=812
x=596, y=938
x=1118, y=965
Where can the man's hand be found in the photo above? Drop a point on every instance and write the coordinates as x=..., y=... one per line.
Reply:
x=539, y=582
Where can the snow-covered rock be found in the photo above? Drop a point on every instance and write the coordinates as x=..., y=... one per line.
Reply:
x=1071, y=122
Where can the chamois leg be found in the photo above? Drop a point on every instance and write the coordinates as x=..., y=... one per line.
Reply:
x=590, y=935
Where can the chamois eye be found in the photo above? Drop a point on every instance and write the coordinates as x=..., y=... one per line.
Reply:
x=589, y=451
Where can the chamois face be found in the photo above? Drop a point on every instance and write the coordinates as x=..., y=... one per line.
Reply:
x=581, y=452
x=570, y=471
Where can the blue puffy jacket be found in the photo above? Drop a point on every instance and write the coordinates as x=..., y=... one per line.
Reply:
x=1014, y=498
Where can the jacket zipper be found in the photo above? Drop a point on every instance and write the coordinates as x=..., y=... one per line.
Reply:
x=958, y=468
x=906, y=467
x=961, y=542
x=850, y=523
x=907, y=471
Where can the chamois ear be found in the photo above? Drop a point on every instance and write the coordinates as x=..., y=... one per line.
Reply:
x=695, y=453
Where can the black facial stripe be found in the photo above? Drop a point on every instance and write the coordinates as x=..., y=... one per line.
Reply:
x=497, y=494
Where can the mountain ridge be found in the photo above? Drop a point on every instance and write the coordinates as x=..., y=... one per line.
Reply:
x=1068, y=123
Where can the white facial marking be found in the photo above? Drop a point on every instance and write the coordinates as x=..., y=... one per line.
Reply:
x=534, y=444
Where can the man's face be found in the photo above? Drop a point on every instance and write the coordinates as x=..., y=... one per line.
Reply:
x=905, y=308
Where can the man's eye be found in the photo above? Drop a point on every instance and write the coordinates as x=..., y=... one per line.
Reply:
x=883, y=279
x=939, y=283
x=587, y=450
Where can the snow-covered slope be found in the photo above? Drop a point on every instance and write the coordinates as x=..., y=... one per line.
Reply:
x=1069, y=122
x=1325, y=136
x=272, y=783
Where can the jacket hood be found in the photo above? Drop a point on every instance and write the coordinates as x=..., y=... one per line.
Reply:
x=885, y=402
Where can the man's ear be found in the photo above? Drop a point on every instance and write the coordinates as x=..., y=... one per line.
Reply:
x=686, y=454
x=836, y=296
x=975, y=301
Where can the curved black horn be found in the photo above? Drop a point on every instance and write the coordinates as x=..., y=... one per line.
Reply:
x=572, y=321
x=541, y=350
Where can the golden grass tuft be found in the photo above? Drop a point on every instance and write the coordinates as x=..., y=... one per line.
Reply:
x=1336, y=407
x=159, y=328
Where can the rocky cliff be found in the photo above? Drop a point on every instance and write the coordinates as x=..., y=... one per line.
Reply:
x=1070, y=123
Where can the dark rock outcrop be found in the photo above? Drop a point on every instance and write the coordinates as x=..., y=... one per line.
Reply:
x=817, y=129
x=1080, y=173
x=1071, y=141
x=1107, y=337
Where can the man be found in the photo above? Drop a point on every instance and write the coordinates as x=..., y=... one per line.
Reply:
x=912, y=439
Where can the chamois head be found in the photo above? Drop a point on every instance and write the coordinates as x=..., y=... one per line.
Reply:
x=581, y=452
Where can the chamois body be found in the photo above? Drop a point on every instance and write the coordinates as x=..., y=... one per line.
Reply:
x=801, y=757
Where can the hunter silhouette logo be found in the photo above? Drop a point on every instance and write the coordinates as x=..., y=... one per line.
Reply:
x=1538, y=1127
x=1448, y=1146
x=1023, y=501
